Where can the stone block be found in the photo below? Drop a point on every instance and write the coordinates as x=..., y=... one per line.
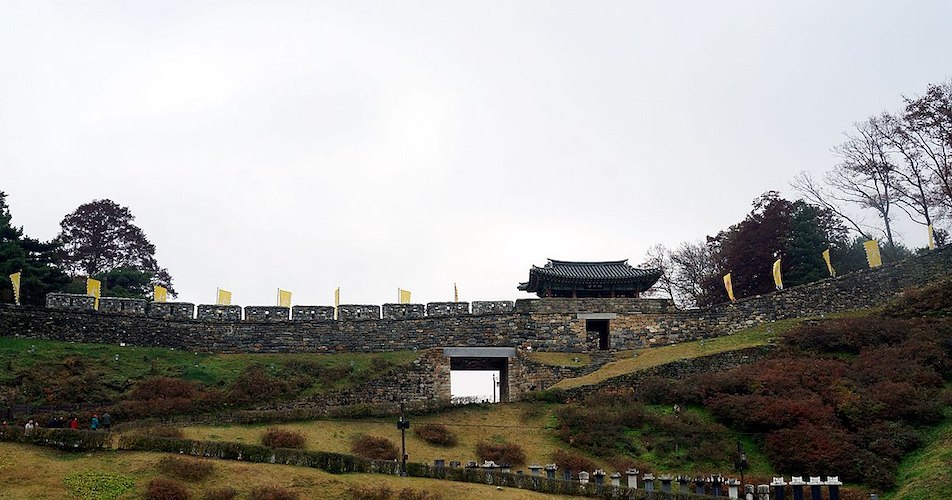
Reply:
x=356, y=312
x=403, y=311
x=442, y=309
x=117, y=305
x=493, y=307
x=172, y=310
x=70, y=301
x=215, y=312
x=266, y=313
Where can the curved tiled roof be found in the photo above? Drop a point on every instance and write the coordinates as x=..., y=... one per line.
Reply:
x=611, y=272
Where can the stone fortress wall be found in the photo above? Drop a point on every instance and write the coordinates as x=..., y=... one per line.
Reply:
x=542, y=324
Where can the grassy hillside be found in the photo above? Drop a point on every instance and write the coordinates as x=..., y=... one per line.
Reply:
x=43, y=372
x=37, y=473
x=927, y=473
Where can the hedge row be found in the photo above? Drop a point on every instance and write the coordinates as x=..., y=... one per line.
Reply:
x=335, y=463
x=64, y=439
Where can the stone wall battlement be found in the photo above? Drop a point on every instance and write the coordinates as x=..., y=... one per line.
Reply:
x=567, y=325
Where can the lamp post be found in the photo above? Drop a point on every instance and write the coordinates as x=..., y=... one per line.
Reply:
x=495, y=384
x=403, y=424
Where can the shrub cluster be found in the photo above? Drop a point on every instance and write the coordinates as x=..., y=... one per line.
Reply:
x=567, y=460
x=64, y=439
x=608, y=424
x=847, y=397
x=188, y=469
x=159, y=396
x=374, y=448
x=436, y=434
x=501, y=453
x=282, y=438
x=161, y=488
x=166, y=431
x=384, y=492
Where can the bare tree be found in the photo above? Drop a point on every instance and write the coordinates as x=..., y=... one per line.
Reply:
x=692, y=263
x=912, y=178
x=928, y=122
x=659, y=257
x=819, y=195
x=865, y=176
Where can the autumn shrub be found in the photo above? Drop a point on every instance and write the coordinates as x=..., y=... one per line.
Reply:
x=159, y=396
x=225, y=493
x=188, y=469
x=501, y=453
x=374, y=448
x=411, y=494
x=271, y=493
x=933, y=301
x=436, y=434
x=161, y=488
x=256, y=384
x=363, y=492
x=567, y=460
x=282, y=438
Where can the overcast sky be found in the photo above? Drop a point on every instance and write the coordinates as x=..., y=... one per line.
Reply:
x=376, y=145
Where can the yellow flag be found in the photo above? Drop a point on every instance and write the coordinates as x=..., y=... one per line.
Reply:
x=777, y=278
x=829, y=264
x=872, y=253
x=336, y=301
x=224, y=298
x=15, y=278
x=403, y=296
x=159, y=294
x=931, y=238
x=93, y=288
x=729, y=287
x=284, y=298
x=455, y=293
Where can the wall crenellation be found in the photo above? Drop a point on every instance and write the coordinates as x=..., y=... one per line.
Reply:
x=567, y=325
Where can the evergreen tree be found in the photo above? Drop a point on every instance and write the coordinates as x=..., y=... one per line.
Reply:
x=36, y=261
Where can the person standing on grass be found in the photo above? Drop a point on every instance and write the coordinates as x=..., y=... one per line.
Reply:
x=106, y=421
x=94, y=424
x=28, y=428
x=74, y=423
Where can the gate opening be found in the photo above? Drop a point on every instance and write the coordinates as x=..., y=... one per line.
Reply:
x=479, y=374
x=600, y=327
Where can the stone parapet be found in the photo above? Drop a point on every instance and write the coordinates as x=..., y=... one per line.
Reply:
x=266, y=313
x=117, y=305
x=70, y=301
x=403, y=311
x=215, y=312
x=357, y=312
x=312, y=313
x=492, y=307
x=172, y=310
x=443, y=309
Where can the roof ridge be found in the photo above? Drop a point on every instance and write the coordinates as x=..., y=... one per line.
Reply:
x=588, y=262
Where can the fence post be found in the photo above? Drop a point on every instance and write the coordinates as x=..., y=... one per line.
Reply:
x=535, y=469
x=583, y=477
x=778, y=486
x=666, y=483
x=550, y=471
x=616, y=479
x=648, y=479
x=732, y=485
x=748, y=492
x=833, y=483
x=567, y=474
x=632, y=478
x=815, y=484
x=796, y=484
x=763, y=492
